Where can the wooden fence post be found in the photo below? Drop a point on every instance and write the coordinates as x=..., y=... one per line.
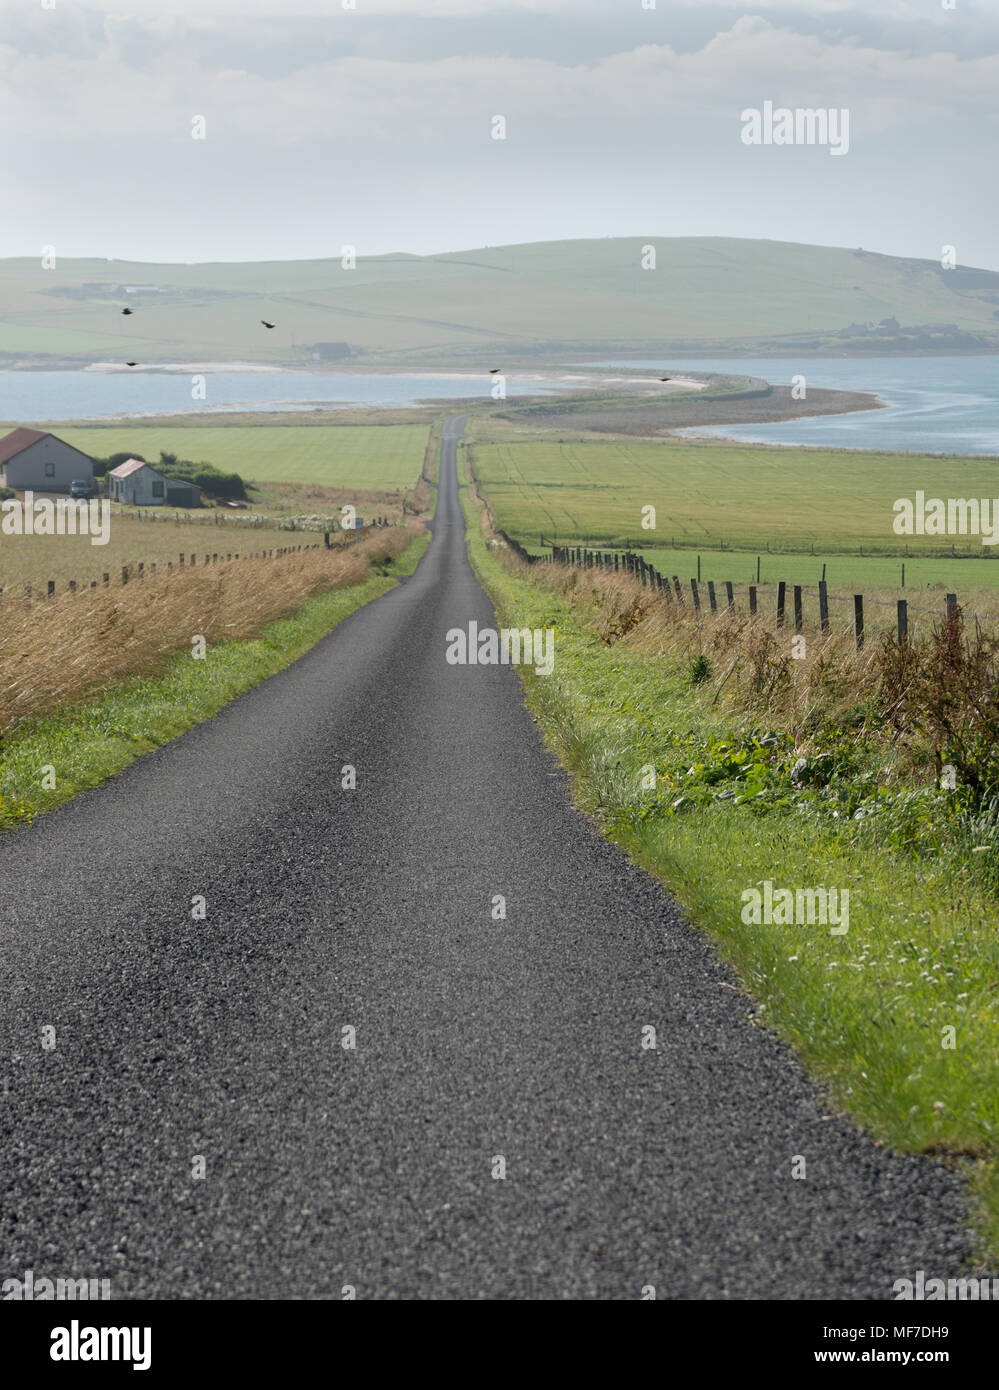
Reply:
x=798, y=617
x=903, y=621
x=823, y=605
x=730, y=595
x=752, y=598
x=712, y=604
x=781, y=595
x=678, y=589
x=697, y=597
x=858, y=620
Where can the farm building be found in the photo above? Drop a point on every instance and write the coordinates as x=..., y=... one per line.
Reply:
x=137, y=483
x=39, y=462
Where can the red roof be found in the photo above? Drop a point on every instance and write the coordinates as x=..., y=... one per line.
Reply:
x=17, y=441
x=126, y=469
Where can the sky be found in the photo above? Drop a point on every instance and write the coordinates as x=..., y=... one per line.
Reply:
x=371, y=123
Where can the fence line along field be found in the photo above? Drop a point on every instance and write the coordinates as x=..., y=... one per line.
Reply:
x=907, y=575
x=35, y=560
x=746, y=496
x=373, y=457
x=785, y=606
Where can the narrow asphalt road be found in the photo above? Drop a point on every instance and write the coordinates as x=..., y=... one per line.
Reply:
x=328, y=908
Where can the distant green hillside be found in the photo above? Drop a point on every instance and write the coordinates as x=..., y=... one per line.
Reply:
x=509, y=303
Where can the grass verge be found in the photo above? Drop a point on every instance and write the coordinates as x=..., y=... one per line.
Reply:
x=899, y=1016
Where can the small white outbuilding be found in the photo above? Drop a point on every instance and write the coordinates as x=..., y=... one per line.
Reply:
x=137, y=483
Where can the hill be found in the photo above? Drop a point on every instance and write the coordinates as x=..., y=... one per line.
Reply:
x=511, y=303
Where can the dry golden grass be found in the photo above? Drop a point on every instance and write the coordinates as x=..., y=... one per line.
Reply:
x=750, y=659
x=58, y=651
x=35, y=560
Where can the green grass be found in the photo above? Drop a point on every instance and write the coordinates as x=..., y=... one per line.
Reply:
x=89, y=744
x=865, y=1011
x=375, y=457
x=860, y=572
x=749, y=497
x=574, y=293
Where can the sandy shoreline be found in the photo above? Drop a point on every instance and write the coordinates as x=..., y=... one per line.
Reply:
x=668, y=417
x=542, y=376
x=173, y=368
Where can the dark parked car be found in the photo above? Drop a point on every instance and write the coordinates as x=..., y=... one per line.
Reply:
x=79, y=487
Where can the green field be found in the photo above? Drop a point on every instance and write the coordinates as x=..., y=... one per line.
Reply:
x=560, y=294
x=368, y=457
x=753, y=498
x=841, y=571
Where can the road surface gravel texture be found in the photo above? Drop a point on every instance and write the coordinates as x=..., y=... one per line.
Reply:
x=476, y=1039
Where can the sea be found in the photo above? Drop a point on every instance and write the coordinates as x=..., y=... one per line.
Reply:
x=934, y=405
x=29, y=396
x=946, y=405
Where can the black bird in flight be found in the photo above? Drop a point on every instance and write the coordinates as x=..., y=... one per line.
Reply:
x=131, y=364
x=266, y=324
x=493, y=371
x=126, y=310
x=664, y=378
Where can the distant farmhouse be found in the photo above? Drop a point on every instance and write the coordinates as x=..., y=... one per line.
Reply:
x=31, y=460
x=141, y=485
x=330, y=352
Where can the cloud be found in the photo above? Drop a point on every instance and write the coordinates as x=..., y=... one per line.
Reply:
x=115, y=99
x=103, y=103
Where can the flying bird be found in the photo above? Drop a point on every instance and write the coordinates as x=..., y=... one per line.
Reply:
x=665, y=378
x=266, y=324
x=493, y=371
x=126, y=310
x=131, y=364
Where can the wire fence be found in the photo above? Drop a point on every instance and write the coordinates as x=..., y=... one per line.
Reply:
x=139, y=569
x=706, y=597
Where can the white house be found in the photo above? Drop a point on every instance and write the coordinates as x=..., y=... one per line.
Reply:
x=137, y=483
x=32, y=460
